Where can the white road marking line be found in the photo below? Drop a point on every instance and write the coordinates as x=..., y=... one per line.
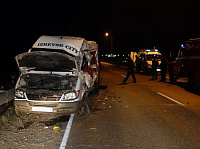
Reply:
x=67, y=131
x=171, y=99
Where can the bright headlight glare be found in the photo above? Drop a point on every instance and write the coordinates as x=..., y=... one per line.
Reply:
x=19, y=94
x=70, y=96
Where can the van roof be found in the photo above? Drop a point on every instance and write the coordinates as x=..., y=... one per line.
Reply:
x=72, y=45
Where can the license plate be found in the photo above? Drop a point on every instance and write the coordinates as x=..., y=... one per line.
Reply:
x=158, y=69
x=42, y=109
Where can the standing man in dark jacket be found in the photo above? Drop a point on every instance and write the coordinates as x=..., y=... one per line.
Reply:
x=130, y=70
x=154, y=67
x=163, y=67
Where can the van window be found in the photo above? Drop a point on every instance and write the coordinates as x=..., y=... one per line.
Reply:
x=150, y=57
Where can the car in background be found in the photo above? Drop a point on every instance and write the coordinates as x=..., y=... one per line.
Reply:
x=144, y=60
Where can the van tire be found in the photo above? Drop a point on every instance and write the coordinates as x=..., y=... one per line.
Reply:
x=95, y=91
x=84, y=109
x=89, y=102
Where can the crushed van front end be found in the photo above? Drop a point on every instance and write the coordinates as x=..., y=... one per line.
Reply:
x=48, y=84
x=39, y=93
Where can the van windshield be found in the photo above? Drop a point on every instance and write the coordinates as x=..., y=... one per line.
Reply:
x=151, y=56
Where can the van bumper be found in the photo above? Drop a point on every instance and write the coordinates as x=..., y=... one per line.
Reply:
x=54, y=108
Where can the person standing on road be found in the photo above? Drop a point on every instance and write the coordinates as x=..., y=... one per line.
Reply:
x=163, y=67
x=138, y=64
x=130, y=70
x=173, y=73
x=154, y=67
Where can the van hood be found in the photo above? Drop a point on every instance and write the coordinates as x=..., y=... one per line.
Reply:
x=45, y=61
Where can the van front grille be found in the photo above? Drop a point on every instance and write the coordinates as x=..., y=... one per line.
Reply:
x=42, y=97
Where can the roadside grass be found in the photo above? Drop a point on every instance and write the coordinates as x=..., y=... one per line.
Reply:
x=7, y=114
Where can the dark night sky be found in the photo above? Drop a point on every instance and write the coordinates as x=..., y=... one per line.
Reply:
x=134, y=24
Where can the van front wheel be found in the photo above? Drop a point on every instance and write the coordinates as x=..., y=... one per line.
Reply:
x=83, y=110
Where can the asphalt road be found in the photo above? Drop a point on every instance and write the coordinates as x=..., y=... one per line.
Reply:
x=146, y=114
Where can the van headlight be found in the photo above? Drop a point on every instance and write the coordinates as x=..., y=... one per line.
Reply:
x=19, y=94
x=70, y=96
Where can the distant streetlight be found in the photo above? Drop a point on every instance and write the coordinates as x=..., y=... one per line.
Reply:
x=111, y=40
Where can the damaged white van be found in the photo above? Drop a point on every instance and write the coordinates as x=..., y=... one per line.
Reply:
x=57, y=74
